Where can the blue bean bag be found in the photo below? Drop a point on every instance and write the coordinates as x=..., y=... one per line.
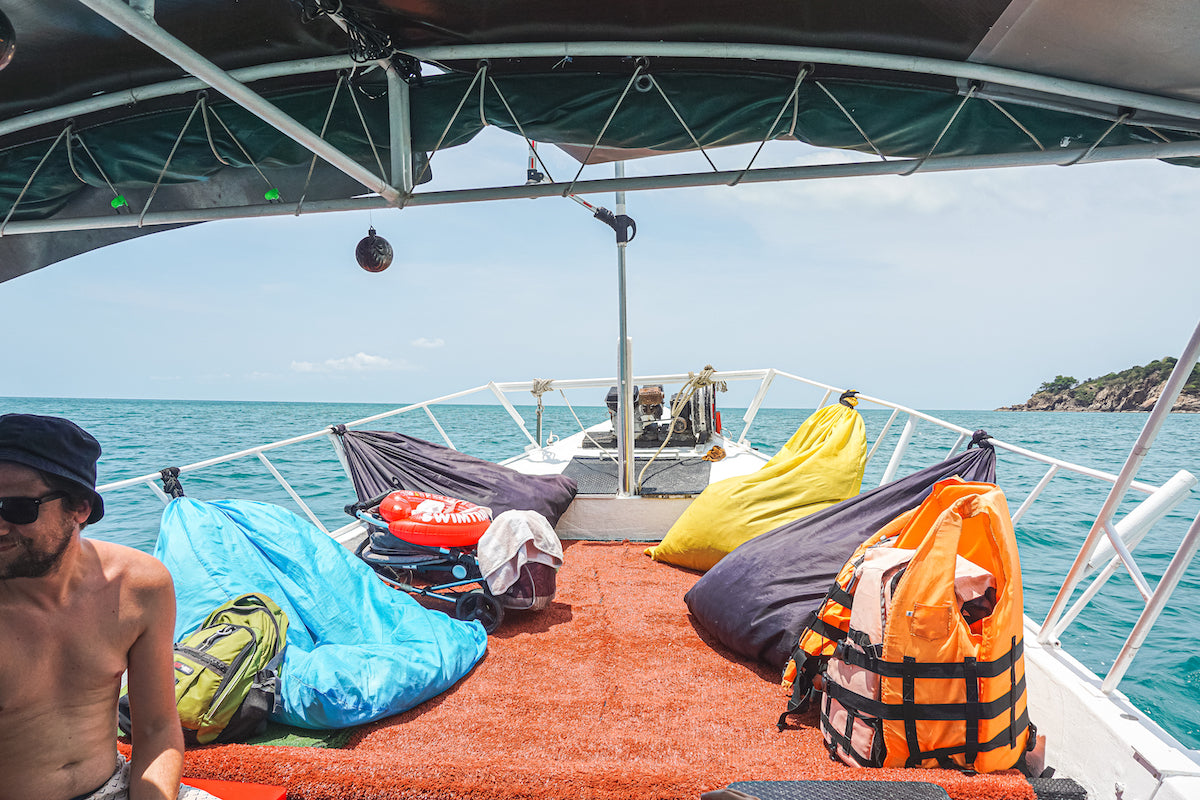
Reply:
x=357, y=650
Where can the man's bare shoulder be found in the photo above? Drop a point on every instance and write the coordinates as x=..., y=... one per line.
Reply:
x=132, y=568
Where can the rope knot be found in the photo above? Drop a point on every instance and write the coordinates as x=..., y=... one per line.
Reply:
x=171, y=484
x=705, y=378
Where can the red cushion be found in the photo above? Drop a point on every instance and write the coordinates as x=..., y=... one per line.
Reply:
x=232, y=790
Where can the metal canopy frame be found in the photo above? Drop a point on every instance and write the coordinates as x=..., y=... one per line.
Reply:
x=145, y=30
x=1117, y=105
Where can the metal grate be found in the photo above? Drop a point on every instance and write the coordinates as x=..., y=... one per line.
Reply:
x=841, y=790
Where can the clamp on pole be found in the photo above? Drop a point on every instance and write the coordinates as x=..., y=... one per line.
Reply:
x=622, y=224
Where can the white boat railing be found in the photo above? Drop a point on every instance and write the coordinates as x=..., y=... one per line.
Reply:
x=1123, y=536
x=1157, y=598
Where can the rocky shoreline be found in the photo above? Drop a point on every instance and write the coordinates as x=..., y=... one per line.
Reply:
x=1135, y=396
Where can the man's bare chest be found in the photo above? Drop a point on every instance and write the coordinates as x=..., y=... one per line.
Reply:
x=60, y=659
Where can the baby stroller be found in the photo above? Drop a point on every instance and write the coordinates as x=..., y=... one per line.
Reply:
x=424, y=544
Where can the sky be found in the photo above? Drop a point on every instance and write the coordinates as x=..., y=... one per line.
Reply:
x=938, y=291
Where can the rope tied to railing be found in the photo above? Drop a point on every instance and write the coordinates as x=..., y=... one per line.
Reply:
x=980, y=439
x=170, y=479
x=849, y=398
x=705, y=378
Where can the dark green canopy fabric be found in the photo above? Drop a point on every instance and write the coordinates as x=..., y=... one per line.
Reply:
x=194, y=155
x=719, y=110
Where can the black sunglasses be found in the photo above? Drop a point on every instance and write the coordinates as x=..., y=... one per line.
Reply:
x=25, y=510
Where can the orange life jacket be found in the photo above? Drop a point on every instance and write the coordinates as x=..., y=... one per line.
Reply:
x=908, y=679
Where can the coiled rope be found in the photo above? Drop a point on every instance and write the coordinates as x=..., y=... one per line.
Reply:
x=694, y=384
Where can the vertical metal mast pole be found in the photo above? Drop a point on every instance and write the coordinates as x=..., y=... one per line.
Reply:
x=625, y=374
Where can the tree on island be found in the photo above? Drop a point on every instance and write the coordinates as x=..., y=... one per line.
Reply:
x=1061, y=383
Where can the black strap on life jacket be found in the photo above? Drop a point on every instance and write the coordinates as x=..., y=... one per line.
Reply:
x=1012, y=690
x=823, y=628
x=868, y=659
x=843, y=739
x=938, y=712
x=839, y=595
x=908, y=709
x=942, y=754
x=843, y=597
x=971, y=683
x=971, y=712
x=863, y=640
x=802, y=684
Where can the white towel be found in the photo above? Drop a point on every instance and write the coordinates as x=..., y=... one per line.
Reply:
x=515, y=538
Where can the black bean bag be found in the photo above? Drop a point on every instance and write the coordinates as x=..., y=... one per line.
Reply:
x=757, y=599
x=381, y=461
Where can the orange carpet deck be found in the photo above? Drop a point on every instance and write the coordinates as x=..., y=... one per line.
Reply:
x=612, y=692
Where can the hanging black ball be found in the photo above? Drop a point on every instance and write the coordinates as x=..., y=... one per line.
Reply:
x=374, y=253
x=8, y=41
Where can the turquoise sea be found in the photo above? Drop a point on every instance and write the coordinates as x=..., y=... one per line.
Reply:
x=143, y=436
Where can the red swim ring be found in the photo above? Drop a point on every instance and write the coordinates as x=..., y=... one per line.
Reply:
x=434, y=520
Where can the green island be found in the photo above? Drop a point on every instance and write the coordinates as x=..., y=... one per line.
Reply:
x=1133, y=389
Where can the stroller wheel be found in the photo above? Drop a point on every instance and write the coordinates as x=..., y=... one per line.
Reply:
x=480, y=606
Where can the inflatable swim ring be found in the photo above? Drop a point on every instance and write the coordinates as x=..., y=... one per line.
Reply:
x=434, y=520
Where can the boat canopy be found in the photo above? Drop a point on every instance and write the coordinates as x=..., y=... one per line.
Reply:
x=119, y=119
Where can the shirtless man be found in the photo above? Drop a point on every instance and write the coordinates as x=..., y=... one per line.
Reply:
x=75, y=614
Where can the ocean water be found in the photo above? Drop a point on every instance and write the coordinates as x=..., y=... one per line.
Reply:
x=142, y=436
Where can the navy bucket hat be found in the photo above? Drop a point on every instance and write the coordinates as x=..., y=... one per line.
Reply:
x=54, y=445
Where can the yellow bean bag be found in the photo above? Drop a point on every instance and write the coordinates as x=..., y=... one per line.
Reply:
x=821, y=464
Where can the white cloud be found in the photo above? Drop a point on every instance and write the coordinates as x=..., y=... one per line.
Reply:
x=359, y=362
x=428, y=343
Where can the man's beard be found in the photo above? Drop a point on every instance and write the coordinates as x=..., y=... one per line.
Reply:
x=31, y=562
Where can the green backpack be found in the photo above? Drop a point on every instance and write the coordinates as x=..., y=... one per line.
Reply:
x=226, y=672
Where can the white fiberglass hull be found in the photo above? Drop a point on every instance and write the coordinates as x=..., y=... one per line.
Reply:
x=1102, y=741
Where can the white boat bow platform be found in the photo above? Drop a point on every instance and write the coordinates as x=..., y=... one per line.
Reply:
x=124, y=119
